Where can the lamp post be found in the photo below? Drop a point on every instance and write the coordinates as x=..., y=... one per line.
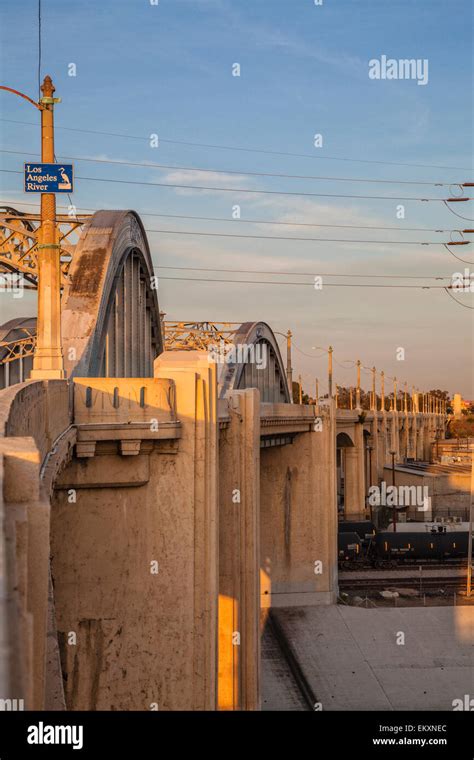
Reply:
x=289, y=369
x=48, y=357
x=330, y=350
x=358, y=385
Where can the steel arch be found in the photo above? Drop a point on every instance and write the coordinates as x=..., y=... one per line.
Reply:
x=110, y=313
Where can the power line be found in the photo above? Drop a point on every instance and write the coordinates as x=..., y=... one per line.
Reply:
x=246, y=150
x=465, y=306
x=464, y=261
x=237, y=190
x=466, y=218
x=306, y=284
x=256, y=221
x=39, y=48
x=305, y=274
x=149, y=165
x=283, y=237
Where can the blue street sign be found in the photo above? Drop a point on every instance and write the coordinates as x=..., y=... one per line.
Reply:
x=48, y=178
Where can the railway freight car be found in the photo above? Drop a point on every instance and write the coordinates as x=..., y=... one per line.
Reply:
x=349, y=548
x=404, y=546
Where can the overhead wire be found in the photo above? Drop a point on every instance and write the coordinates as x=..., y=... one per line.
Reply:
x=306, y=284
x=151, y=165
x=237, y=190
x=465, y=306
x=260, y=221
x=263, y=151
x=199, y=233
x=304, y=274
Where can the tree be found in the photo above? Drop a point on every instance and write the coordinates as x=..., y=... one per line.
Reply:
x=296, y=394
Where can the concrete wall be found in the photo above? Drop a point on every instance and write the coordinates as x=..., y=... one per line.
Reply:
x=298, y=525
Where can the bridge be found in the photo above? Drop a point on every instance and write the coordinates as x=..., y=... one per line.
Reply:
x=161, y=499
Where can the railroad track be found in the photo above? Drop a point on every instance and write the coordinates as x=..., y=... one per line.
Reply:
x=448, y=565
x=444, y=582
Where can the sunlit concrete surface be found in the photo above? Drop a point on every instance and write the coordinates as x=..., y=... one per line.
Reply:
x=351, y=659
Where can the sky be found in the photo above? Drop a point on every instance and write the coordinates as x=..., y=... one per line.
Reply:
x=167, y=69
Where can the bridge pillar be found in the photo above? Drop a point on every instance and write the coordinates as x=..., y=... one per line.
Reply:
x=420, y=444
x=354, y=480
x=135, y=559
x=394, y=434
x=299, y=518
x=427, y=437
x=414, y=435
x=405, y=434
x=239, y=554
x=24, y=574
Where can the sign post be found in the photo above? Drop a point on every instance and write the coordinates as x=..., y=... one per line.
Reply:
x=48, y=178
x=48, y=358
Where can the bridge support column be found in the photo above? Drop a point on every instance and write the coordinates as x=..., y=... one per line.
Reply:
x=405, y=435
x=394, y=435
x=420, y=445
x=373, y=471
x=135, y=559
x=24, y=526
x=354, y=480
x=239, y=554
x=427, y=438
x=299, y=518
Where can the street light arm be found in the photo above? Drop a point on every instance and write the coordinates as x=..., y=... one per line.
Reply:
x=22, y=95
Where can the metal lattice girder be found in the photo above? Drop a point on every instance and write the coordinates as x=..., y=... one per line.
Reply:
x=198, y=336
x=16, y=349
x=19, y=240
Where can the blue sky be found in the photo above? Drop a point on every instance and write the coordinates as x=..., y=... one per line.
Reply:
x=167, y=69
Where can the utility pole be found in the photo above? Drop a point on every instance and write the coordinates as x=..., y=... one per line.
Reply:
x=300, y=389
x=374, y=393
x=48, y=358
x=358, y=385
x=289, y=370
x=330, y=350
x=317, y=396
x=382, y=391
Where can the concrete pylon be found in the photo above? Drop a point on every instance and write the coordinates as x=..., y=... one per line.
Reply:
x=239, y=555
x=354, y=476
x=457, y=406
